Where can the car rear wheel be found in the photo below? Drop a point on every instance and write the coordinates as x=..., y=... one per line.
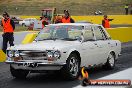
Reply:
x=23, y=25
x=71, y=69
x=110, y=64
x=18, y=73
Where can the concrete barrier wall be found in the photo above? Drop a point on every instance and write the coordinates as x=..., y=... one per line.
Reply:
x=118, y=19
x=122, y=34
x=2, y=56
x=29, y=38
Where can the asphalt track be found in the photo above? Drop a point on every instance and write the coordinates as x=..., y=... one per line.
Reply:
x=43, y=80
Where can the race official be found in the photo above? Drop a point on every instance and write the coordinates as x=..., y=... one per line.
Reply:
x=8, y=29
x=44, y=21
x=106, y=22
x=67, y=18
x=126, y=9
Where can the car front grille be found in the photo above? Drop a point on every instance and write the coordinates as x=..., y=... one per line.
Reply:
x=33, y=55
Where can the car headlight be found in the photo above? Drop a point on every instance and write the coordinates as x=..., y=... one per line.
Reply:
x=50, y=54
x=10, y=54
x=53, y=55
x=57, y=54
x=17, y=54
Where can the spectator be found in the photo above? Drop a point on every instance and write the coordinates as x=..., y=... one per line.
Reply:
x=105, y=22
x=131, y=9
x=126, y=9
x=44, y=21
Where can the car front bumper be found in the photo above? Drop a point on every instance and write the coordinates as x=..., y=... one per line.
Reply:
x=33, y=66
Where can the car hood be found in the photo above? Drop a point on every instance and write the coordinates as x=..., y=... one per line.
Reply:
x=45, y=45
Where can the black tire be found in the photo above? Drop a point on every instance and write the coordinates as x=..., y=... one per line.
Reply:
x=71, y=70
x=23, y=25
x=110, y=64
x=84, y=82
x=18, y=73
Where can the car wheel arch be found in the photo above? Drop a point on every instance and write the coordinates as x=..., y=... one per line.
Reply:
x=71, y=62
x=23, y=24
x=108, y=65
x=77, y=53
x=112, y=53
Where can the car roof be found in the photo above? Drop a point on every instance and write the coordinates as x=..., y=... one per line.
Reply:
x=76, y=24
x=80, y=24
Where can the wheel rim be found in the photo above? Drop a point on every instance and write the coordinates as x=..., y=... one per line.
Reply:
x=73, y=66
x=111, y=60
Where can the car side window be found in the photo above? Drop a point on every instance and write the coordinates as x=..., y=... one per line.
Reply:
x=99, y=33
x=88, y=34
x=103, y=33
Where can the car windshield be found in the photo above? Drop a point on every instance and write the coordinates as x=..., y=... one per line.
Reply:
x=61, y=32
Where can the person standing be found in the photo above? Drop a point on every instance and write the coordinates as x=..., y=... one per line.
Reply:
x=126, y=9
x=8, y=29
x=67, y=18
x=105, y=22
x=44, y=21
x=131, y=9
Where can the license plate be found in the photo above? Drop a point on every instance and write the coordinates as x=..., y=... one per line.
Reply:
x=30, y=64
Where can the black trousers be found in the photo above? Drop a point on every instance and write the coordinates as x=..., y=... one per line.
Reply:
x=126, y=11
x=7, y=37
x=131, y=12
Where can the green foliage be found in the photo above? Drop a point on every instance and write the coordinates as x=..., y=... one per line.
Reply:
x=76, y=7
x=129, y=1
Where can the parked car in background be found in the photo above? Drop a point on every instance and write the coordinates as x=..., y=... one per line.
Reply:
x=27, y=21
x=16, y=19
x=65, y=47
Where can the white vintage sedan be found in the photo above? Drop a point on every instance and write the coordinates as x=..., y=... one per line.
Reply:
x=27, y=22
x=65, y=47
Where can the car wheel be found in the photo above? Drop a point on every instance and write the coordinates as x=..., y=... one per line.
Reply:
x=23, y=25
x=71, y=69
x=18, y=73
x=110, y=64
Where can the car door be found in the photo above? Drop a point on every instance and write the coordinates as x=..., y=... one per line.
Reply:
x=27, y=22
x=101, y=43
x=32, y=21
x=88, y=47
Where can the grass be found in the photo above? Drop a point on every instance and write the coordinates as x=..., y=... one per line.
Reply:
x=76, y=7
